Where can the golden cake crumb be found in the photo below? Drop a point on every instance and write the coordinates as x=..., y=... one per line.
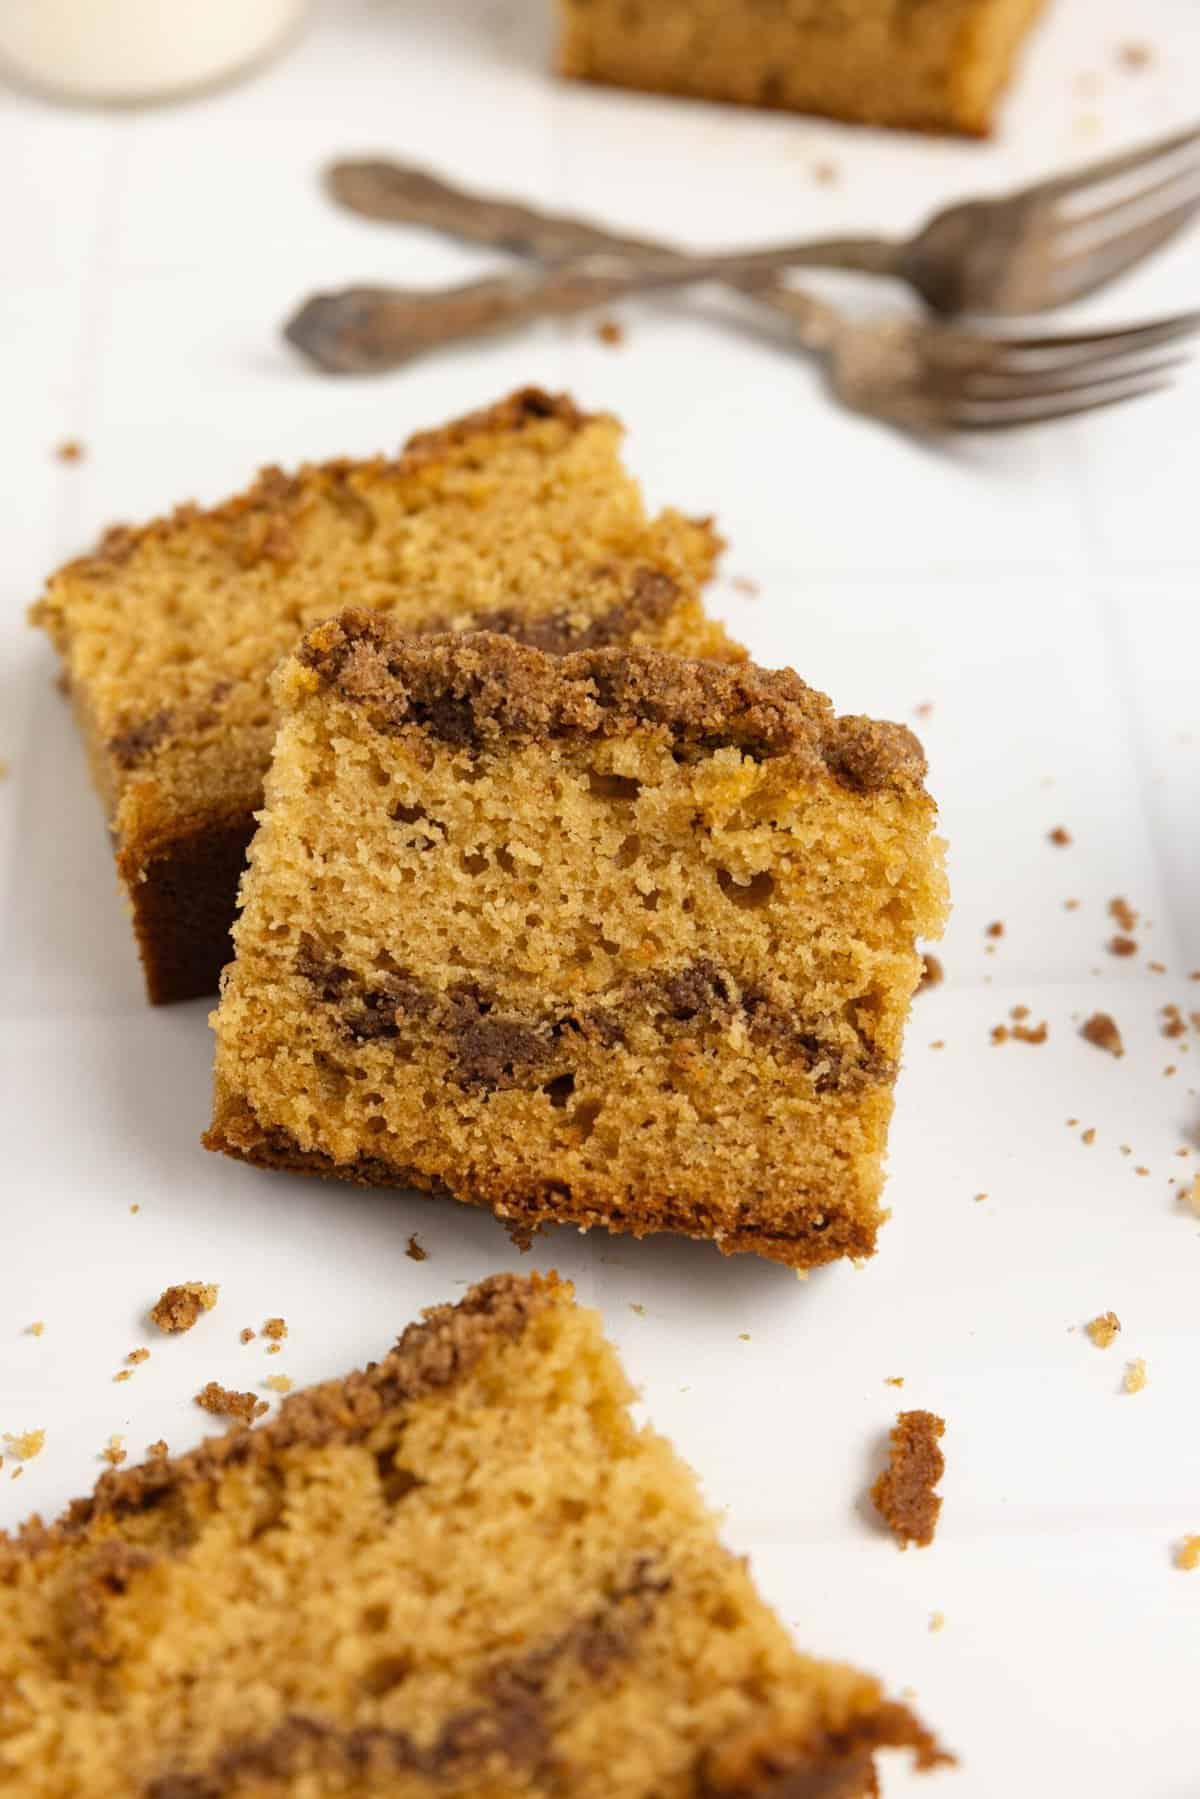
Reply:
x=274, y=1348
x=1123, y=912
x=279, y=1383
x=1135, y=1375
x=247, y=1334
x=114, y=1451
x=979, y=1198
x=226, y=1402
x=640, y=1310
x=1192, y=1195
x=36, y=1329
x=416, y=1251
x=1070, y=905
x=1031, y=1033
x=1061, y=836
x=69, y=450
x=610, y=332
x=932, y=973
x=924, y=710
x=1122, y=946
x=25, y=1445
x=157, y=1451
x=276, y=1329
x=177, y=1308
x=893, y=1380
x=995, y=929
x=1157, y=967
x=903, y=1493
x=1174, y=1024
x=937, y=1622
x=1088, y=1136
x=1000, y=1033
x=1104, y=1329
x=17, y=1472
x=1101, y=1029
x=123, y=1374
x=138, y=1355
x=1187, y=1556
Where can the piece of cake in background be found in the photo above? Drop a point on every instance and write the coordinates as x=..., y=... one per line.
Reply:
x=520, y=518
x=614, y=939
x=938, y=66
x=463, y=1571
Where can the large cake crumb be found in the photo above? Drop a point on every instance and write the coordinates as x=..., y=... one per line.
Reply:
x=1187, y=1556
x=225, y=1402
x=1135, y=1375
x=416, y=1251
x=1104, y=1329
x=25, y=1444
x=279, y=1383
x=1101, y=1029
x=177, y=1308
x=276, y=1329
x=37, y=1327
x=903, y=1493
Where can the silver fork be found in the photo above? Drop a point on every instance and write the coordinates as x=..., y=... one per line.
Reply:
x=918, y=376
x=1024, y=252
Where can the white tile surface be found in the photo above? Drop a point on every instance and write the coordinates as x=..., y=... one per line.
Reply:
x=1038, y=593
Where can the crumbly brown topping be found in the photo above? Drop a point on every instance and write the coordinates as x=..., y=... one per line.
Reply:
x=177, y=1308
x=416, y=1251
x=276, y=1329
x=903, y=1493
x=1122, y=946
x=1101, y=1029
x=226, y=1402
x=468, y=689
x=1104, y=1329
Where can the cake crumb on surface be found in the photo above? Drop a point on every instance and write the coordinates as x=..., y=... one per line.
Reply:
x=1101, y=1029
x=745, y=584
x=26, y=1444
x=416, y=1251
x=1122, y=946
x=1120, y=909
x=1135, y=57
x=138, y=1355
x=1187, y=1555
x=1157, y=967
x=639, y=1309
x=1088, y=1136
x=610, y=332
x=135, y=1207
x=36, y=1328
x=247, y=1334
x=893, y=1380
x=1071, y=905
x=17, y=1471
x=1174, y=1024
x=937, y=1622
x=157, y=1451
x=932, y=973
x=225, y=1402
x=743, y=1336
x=1103, y=1329
x=274, y=1348
x=979, y=1198
x=1135, y=1375
x=1192, y=1196
x=996, y=928
x=123, y=1374
x=1061, y=836
x=69, y=450
x=1031, y=1033
x=903, y=1493
x=276, y=1329
x=999, y=1033
x=279, y=1383
x=114, y=1451
x=177, y=1308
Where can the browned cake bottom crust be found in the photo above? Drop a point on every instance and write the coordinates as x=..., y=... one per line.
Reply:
x=237, y=1132
x=183, y=900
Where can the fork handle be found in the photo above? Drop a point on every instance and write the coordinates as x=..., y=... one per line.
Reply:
x=367, y=330
x=404, y=193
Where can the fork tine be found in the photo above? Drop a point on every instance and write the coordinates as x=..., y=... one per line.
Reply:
x=1010, y=350
x=1012, y=420
x=985, y=384
x=1110, y=167
x=1146, y=192
x=1085, y=270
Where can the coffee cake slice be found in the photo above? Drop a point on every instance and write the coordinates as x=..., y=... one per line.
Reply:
x=939, y=65
x=518, y=519
x=611, y=939
x=463, y=1571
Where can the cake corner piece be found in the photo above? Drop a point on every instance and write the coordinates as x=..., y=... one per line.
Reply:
x=615, y=939
x=520, y=1585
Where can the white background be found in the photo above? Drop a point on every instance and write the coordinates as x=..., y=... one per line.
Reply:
x=1039, y=590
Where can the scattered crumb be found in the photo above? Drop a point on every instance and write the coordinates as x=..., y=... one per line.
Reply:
x=1194, y=975
x=924, y=710
x=69, y=450
x=938, y=1043
x=276, y=1329
x=996, y=928
x=825, y=173
x=1126, y=1149
x=1135, y=1375
x=979, y=1198
x=416, y=1251
x=932, y=974
x=640, y=1310
x=1121, y=946
x=123, y=1374
x=743, y=1336
x=1173, y=1022
x=903, y=1493
x=26, y=1444
x=1088, y=1136
x=177, y=1308
x=115, y=1452
x=279, y=1383
x=937, y=1621
x=999, y=1033
x=274, y=1348
x=1135, y=57
x=1018, y=1012
x=1187, y=1555
x=1141, y=1170
x=247, y=1334
x=138, y=1355
x=1061, y=836
x=17, y=1472
x=743, y=584
x=1071, y=905
x=1071, y=1121
x=1025, y=1033
x=893, y=1380
x=157, y=1450
x=1192, y=1196
x=227, y=1403
x=1104, y=1329
x=1101, y=1029
x=1169, y=1070
x=135, y=1208
x=1123, y=912
x=1157, y=967
x=609, y=332
x=36, y=1329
